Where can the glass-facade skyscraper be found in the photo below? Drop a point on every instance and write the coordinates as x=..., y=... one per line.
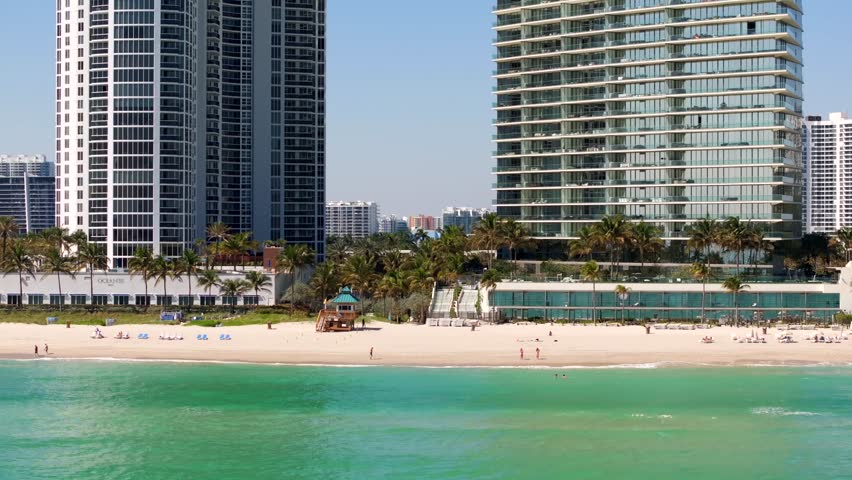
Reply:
x=174, y=114
x=664, y=111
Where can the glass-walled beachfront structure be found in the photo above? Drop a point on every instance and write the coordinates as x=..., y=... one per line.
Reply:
x=663, y=306
x=665, y=111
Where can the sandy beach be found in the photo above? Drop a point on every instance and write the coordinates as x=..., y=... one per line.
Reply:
x=415, y=345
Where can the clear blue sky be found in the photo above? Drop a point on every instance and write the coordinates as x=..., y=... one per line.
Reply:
x=409, y=93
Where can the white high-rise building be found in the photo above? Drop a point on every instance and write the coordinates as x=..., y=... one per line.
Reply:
x=355, y=219
x=174, y=114
x=828, y=173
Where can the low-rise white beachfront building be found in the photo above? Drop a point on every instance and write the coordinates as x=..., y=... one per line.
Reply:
x=121, y=288
x=571, y=300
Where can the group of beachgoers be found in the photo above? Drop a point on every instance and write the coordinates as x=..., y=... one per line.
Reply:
x=45, y=350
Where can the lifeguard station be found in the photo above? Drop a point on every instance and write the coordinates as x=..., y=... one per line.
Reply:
x=339, y=313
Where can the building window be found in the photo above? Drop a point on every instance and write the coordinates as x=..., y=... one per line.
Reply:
x=165, y=300
x=207, y=300
x=100, y=299
x=57, y=299
x=35, y=299
x=78, y=299
x=251, y=300
x=13, y=299
x=229, y=300
x=121, y=299
x=143, y=300
x=186, y=300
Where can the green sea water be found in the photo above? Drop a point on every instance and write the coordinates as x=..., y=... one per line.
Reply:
x=111, y=420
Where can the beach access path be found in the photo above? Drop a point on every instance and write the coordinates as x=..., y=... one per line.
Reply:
x=419, y=345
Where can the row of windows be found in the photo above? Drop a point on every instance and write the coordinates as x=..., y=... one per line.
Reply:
x=121, y=299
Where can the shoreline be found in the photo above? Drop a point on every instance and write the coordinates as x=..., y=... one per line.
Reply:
x=634, y=366
x=418, y=346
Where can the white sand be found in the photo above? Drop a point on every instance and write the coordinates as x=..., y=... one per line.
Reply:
x=298, y=343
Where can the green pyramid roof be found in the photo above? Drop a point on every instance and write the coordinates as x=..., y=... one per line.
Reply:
x=345, y=296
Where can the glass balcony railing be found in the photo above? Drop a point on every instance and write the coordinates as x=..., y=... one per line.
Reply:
x=581, y=116
x=601, y=165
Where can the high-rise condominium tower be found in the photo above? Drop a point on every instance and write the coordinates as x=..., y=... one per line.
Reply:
x=174, y=114
x=828, y=173
x=664, y=111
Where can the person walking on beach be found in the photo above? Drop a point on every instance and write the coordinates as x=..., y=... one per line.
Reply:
x=537, y=353
x=522, y=353
x=36, y=350
x=371, y=353
x=45, y=349
x=363, y=324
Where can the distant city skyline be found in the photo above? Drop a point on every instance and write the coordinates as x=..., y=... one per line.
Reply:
x=409, y=129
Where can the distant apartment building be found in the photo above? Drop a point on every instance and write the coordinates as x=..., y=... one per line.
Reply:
x=423, y=222
x=462, y=217
x=663, y=111
x=355, y=219
x=392, y=224
x=27, y=191
x=828, y=173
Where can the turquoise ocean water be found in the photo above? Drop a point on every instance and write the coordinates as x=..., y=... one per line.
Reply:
x=111, y=420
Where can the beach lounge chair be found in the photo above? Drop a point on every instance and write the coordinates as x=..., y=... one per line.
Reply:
x=142, y=336
x=178, y=337
x=224, y=337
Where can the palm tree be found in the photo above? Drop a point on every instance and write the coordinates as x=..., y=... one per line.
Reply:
x=516, y=236
x=233, y=288
x=21, y=261
x=142, y=263
x=208, y=279
x=325, y=279
x=360, y=274
x=703, y=234
x=488, y=235
x=584, y=245
x=591, y=272
x=55, y=262
x=734, y=236
x=843, y=239
x=93, y=257
x=161, y=269
x=734, y=285
x=258, y=282
x=8, y=230
x=792, y=265
x=292, y=259
x=392, y=285
x=238, y=245
x=489, y=280
x=613, y=233
x=646, y=239
x=57, y=238
x=622, y=293
x=702, y=272
x=217, y=232
x=188, y=264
